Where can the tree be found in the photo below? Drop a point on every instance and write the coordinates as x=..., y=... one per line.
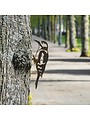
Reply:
x=72, y=32
x=49, y=27
x=56, y=27
x=44, y=27
x=60, y=30
x=78, y=25
x=85, y=35
x=38, y=26
x=52, y=29
x=16, y=56
x=67, y=32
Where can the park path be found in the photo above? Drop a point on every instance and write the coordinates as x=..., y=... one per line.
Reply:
x=66, y=79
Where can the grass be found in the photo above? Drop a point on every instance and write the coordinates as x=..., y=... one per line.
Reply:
x=73, y=50
x=78, y=45
x=63, y=39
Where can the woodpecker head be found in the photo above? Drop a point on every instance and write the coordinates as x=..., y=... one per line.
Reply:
x=43, y=44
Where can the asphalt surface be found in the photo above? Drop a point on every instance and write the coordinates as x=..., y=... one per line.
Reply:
x=66, y=80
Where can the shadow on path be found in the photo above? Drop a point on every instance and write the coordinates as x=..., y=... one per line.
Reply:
x=70, y=71
x=71, y=60
x=62, y=80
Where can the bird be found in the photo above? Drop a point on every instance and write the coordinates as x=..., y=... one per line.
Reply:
x=41, y=59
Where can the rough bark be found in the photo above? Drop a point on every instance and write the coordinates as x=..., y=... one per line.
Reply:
x=16, y=55
x=72, y=32
x=85, y=35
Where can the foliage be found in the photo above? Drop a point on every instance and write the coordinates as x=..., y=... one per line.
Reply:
x=88, y=54
x=34, y=20
x=73, y=50
x=34, y=24
x=29, y=99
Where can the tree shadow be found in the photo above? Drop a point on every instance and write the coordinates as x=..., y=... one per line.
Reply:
x=70, y=71
x=60, y=80
x=71, y=60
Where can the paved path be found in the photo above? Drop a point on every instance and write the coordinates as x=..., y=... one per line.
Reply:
x=66, y=79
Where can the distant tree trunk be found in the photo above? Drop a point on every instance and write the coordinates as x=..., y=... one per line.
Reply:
x=16, y=56
x=76, y=24
x=49, y=27
x=56, y=27
x=46, y=32
x=85, y=35
x=43, y=27
x=53, y=29
x=60, y=30
x=67, y=32
x=72, y=32
x=38, y=26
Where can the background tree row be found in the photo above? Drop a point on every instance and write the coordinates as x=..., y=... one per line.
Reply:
x=71, y=30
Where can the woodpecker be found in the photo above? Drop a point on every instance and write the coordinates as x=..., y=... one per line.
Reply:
x=41, y=59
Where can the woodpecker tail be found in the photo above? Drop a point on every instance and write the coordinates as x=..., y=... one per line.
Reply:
x=36, y=83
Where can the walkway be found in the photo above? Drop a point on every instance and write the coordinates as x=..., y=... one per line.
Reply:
x=66, y=79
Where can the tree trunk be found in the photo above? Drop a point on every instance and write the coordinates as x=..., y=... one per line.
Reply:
x=53, y=29
x=77, y=26
x=44, y=27
x=60, y=30
x=38, y=26
x=49, y=27
x=56, y=28
x=46, y=32
x=72, y=32
x=16, y=56
x=85, y=35
x=67, y=32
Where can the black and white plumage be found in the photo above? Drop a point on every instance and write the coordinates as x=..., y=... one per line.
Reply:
x=41, y=60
